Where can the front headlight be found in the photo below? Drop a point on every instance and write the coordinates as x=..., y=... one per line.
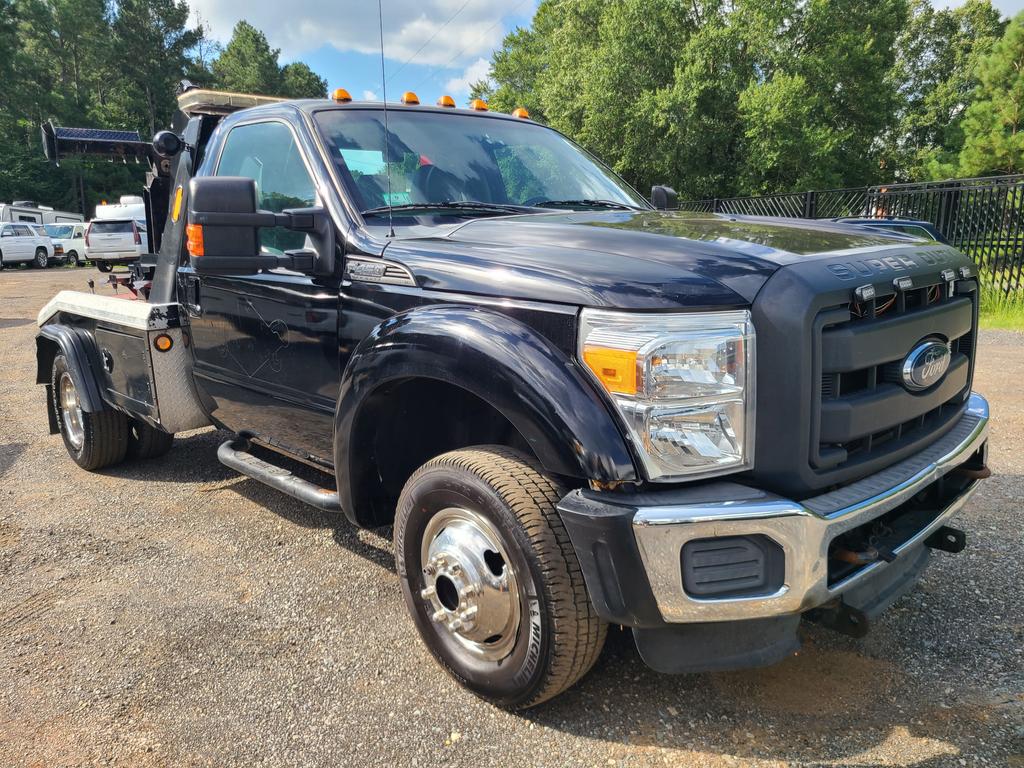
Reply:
x=684, y=384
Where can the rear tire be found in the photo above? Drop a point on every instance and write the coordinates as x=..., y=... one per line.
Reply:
x=41, y=260
x=146, y=442
x=94, y=440
x=481, y=550
x=103, y=266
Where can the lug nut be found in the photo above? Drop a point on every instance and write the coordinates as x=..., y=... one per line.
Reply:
x=469, y=614
x=456, y=569
x=456, y=625
x=428, y=593
x=438, y=616
x=429, y=569
x=467, y=591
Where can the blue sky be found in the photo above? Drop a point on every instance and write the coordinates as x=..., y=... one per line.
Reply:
x=431, y=46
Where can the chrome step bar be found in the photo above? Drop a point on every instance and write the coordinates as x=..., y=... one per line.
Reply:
x=235, y=454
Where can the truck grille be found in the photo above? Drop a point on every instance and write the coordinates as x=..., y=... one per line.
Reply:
x=863, y=409
x=832, y=406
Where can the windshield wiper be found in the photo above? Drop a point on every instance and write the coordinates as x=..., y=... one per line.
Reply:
x=587, y=203
x=449, y=205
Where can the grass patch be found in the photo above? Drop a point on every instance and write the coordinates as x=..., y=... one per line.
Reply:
x=999, y=310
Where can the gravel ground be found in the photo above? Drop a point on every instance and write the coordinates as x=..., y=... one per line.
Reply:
x=173, y=613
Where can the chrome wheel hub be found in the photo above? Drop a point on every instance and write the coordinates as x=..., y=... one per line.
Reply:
x=471, y=588
x=71, y=411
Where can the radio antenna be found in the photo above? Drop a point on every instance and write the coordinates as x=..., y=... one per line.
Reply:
x=384, y=94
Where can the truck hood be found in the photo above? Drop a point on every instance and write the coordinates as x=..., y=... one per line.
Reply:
x=630, y=259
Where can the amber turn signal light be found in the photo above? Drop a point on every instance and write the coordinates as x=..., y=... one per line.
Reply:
x=194, y=244
x=163, y=343
x=614, y=368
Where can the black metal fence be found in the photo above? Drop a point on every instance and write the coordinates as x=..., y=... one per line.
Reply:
x=983, y=217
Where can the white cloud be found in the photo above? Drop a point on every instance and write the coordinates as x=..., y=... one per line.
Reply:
x=370, y=96
x=351, y=25
x=478, y=70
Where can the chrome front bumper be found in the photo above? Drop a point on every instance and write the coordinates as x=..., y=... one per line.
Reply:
x=803, y=529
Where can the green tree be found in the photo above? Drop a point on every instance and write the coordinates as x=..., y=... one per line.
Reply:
x=150, y=50
x=248, y=63
x=937, y=57
x=298, y=81
x=993, y=123
x=813, y=119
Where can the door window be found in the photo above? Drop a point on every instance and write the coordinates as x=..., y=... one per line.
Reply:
x=22, y=231
x=267, y=153
x=7, y=232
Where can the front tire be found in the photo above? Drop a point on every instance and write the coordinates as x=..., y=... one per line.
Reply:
x=94, y=440
x=491, y=579
x=41, y=260
x=73, y=258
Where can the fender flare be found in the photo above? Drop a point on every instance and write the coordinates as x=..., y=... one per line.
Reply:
x=505, y=363
x=79, y=348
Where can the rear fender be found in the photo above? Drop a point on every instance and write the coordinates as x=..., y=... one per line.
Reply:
x=506, y=364
x=79, y=349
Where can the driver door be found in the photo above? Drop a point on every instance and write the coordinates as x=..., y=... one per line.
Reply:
x=266, y=345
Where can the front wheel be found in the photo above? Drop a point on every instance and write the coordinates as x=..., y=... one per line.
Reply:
x=103, y=266
x=42, y=260
x=491, y=579
x=73, y=258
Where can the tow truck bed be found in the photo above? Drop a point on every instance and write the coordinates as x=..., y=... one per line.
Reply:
x=133, y=373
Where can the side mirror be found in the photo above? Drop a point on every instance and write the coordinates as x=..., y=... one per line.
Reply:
x=664, y=198
x=224, y=223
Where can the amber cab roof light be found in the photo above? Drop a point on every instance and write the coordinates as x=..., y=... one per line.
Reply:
x=478, y=104
x=410, y=98
x=446, y=101
x=521, y=113
x=341, y=96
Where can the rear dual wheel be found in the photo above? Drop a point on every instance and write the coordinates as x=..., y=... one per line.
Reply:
x=94, y=439
x=491, y=579
x=99, y=439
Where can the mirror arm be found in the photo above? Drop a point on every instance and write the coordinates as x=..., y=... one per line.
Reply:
x=298, y=219
x=299, y=260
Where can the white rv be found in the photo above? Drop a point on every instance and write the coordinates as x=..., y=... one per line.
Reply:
x=31, y=212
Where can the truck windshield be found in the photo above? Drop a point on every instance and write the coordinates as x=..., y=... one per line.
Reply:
x=439, y=160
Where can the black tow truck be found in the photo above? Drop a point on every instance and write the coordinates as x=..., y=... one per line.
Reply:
x=576, y=408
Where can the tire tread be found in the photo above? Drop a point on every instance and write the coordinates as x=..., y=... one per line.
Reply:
x=532, y=496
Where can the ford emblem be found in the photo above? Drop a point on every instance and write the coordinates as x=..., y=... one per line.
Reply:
x=925, y=365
